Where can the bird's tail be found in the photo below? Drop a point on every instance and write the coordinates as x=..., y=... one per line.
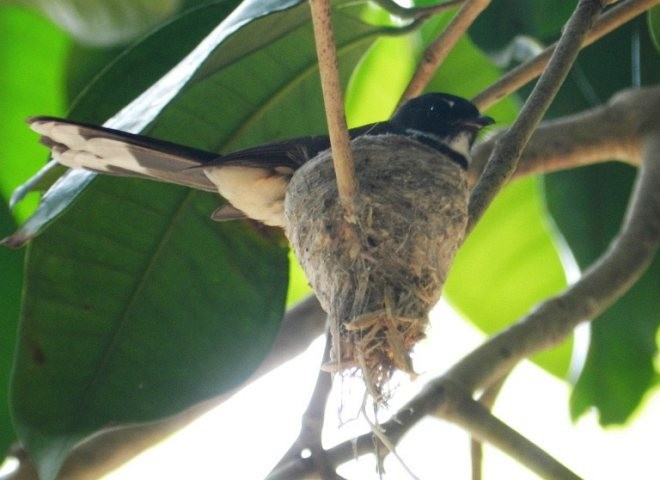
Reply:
x=105, y=150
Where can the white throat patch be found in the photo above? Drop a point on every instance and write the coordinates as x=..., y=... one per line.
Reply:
x=461, y=144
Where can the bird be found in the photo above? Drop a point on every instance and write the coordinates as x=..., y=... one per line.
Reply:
x=253, y=181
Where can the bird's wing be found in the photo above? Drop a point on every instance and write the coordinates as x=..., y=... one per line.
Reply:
x=254, y=180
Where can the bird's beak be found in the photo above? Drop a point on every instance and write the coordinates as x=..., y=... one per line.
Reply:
x=483, y=121
x=478, y=123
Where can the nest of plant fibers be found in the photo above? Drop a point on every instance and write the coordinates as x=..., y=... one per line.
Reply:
x=378, y=273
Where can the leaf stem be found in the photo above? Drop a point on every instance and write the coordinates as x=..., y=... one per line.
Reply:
x=342, y=156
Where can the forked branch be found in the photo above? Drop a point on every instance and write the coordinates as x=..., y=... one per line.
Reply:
x=475, y=418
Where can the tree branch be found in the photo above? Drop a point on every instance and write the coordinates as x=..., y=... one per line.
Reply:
x=342, y=156
x=436, y=53
x=528, y=71
x=312, y=425
x=504, y=158
x=608, y=132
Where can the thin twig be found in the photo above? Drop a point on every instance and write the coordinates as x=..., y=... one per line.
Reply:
x=312, y=424
x=528, y=71
x=487, y=399
x=462, y=410
x=342, y=156
x=436, y=53
x=507, y=151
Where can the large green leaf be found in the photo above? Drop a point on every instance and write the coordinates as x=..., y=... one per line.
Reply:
x=114, y=86
x=124, y=320
x=11, y=266
x=137, y=305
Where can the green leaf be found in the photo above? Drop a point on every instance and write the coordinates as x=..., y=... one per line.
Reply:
x=116, y=85
x=654, y=25
x=125, y=320
x=31, y=65
x=620, y=368
x=137, y=305
x=106, y=22
x=84, y=63
x=11, y=266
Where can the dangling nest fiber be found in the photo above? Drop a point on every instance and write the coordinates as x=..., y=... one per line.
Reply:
x=377, y=275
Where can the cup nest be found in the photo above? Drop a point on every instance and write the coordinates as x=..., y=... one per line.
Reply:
x=379, y=273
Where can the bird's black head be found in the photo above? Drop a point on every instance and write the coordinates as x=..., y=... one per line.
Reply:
x=442, y=118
